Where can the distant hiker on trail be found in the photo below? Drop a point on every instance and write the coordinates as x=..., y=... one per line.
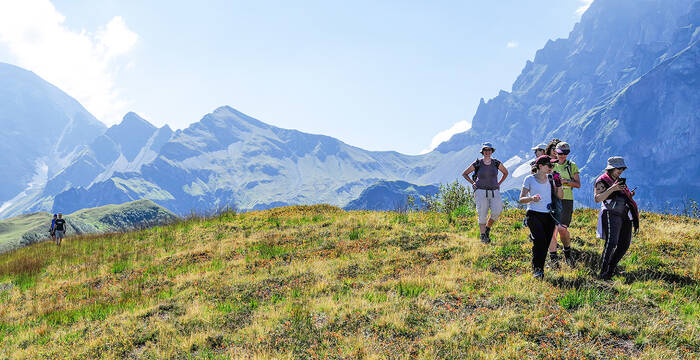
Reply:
x=618, y=215
x=52, y=229
x=60, y=229
x=569, y=174
x=486, y=189
x=544, y=187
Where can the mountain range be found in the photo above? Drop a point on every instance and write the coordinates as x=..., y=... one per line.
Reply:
x=625, y=82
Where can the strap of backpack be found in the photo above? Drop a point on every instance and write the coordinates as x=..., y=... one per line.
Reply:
x=568, y=169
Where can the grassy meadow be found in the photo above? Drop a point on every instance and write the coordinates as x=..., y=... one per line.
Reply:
x=319, y=282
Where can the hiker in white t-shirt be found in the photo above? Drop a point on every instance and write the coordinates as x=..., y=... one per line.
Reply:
x=538, y=191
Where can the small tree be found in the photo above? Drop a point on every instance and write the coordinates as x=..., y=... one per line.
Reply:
x=450, y=197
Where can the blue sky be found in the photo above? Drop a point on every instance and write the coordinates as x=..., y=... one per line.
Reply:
x=381, y=75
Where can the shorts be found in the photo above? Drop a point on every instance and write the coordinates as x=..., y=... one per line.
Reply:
x=485, y=200
x=567, y=209
x=60, y=234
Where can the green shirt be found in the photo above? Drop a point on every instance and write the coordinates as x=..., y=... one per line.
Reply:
x=561, y=169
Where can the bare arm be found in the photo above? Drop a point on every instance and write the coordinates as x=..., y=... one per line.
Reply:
x=505, y=173
x=523, y=196
x=575, y=182
x=466, y=173
x=601, y=194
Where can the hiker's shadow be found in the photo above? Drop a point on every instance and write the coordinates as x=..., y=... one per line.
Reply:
x=590, y=259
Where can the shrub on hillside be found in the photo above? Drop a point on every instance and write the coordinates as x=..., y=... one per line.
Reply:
x=449, y=198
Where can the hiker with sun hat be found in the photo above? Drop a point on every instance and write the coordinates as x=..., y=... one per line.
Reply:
x=539, y=150
x=618, y=217
x=486, y=187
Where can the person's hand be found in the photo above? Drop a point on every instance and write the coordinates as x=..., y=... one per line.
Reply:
x=536, y=198
x=617, y=187
x=474, y=186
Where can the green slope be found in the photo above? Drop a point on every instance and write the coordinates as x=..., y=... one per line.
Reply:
x=316, y=282
x=27, y=229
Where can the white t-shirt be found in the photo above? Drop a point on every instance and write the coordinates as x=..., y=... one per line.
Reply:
x=535, y=187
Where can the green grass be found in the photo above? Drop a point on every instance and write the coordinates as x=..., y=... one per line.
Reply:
x=409, y=290
x=576, y=298
x=317, y=282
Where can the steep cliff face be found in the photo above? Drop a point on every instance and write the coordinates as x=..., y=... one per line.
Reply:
x=625, y=82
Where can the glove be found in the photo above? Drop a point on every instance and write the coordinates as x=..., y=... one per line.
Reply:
x=557, y=179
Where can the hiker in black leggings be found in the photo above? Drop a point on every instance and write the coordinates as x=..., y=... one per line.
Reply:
x=538, y=217
x=618, y=216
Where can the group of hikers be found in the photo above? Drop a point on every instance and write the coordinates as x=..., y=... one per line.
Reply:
x=58, y=228
x=548, y=193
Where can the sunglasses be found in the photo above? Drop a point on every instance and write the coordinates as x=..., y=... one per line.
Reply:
x=563, y=153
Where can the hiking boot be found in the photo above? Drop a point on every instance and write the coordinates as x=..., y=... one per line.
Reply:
x=569, y=258
x=605, y=276
x=554, y=260
x=538, y=273
x=485, y=239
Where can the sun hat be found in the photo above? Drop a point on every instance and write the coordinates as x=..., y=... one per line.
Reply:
x=616, y=162
x=563, y=148
x=540, y=146
x=487, y=145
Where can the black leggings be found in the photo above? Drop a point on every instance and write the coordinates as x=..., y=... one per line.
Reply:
x=542, y=228
x=617, y=231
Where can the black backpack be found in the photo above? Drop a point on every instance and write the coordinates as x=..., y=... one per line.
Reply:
x=556, y=206
x=478, y=165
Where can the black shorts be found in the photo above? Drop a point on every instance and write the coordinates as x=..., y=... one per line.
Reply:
x=567, y=209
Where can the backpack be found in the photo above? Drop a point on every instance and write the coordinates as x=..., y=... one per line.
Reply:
x=477, y=165
x=556, y=205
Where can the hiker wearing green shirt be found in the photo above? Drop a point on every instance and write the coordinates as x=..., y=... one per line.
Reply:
x=569, y=173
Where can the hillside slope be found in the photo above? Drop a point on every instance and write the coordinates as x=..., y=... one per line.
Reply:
x=28, y=229
x=319, y=282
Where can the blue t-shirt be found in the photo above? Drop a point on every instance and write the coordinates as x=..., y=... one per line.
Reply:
x=535, y=187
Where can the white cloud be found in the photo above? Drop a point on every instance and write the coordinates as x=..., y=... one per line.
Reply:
x=445, y=135
x=582, y=9
x=83, y=64
x=512, y=44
